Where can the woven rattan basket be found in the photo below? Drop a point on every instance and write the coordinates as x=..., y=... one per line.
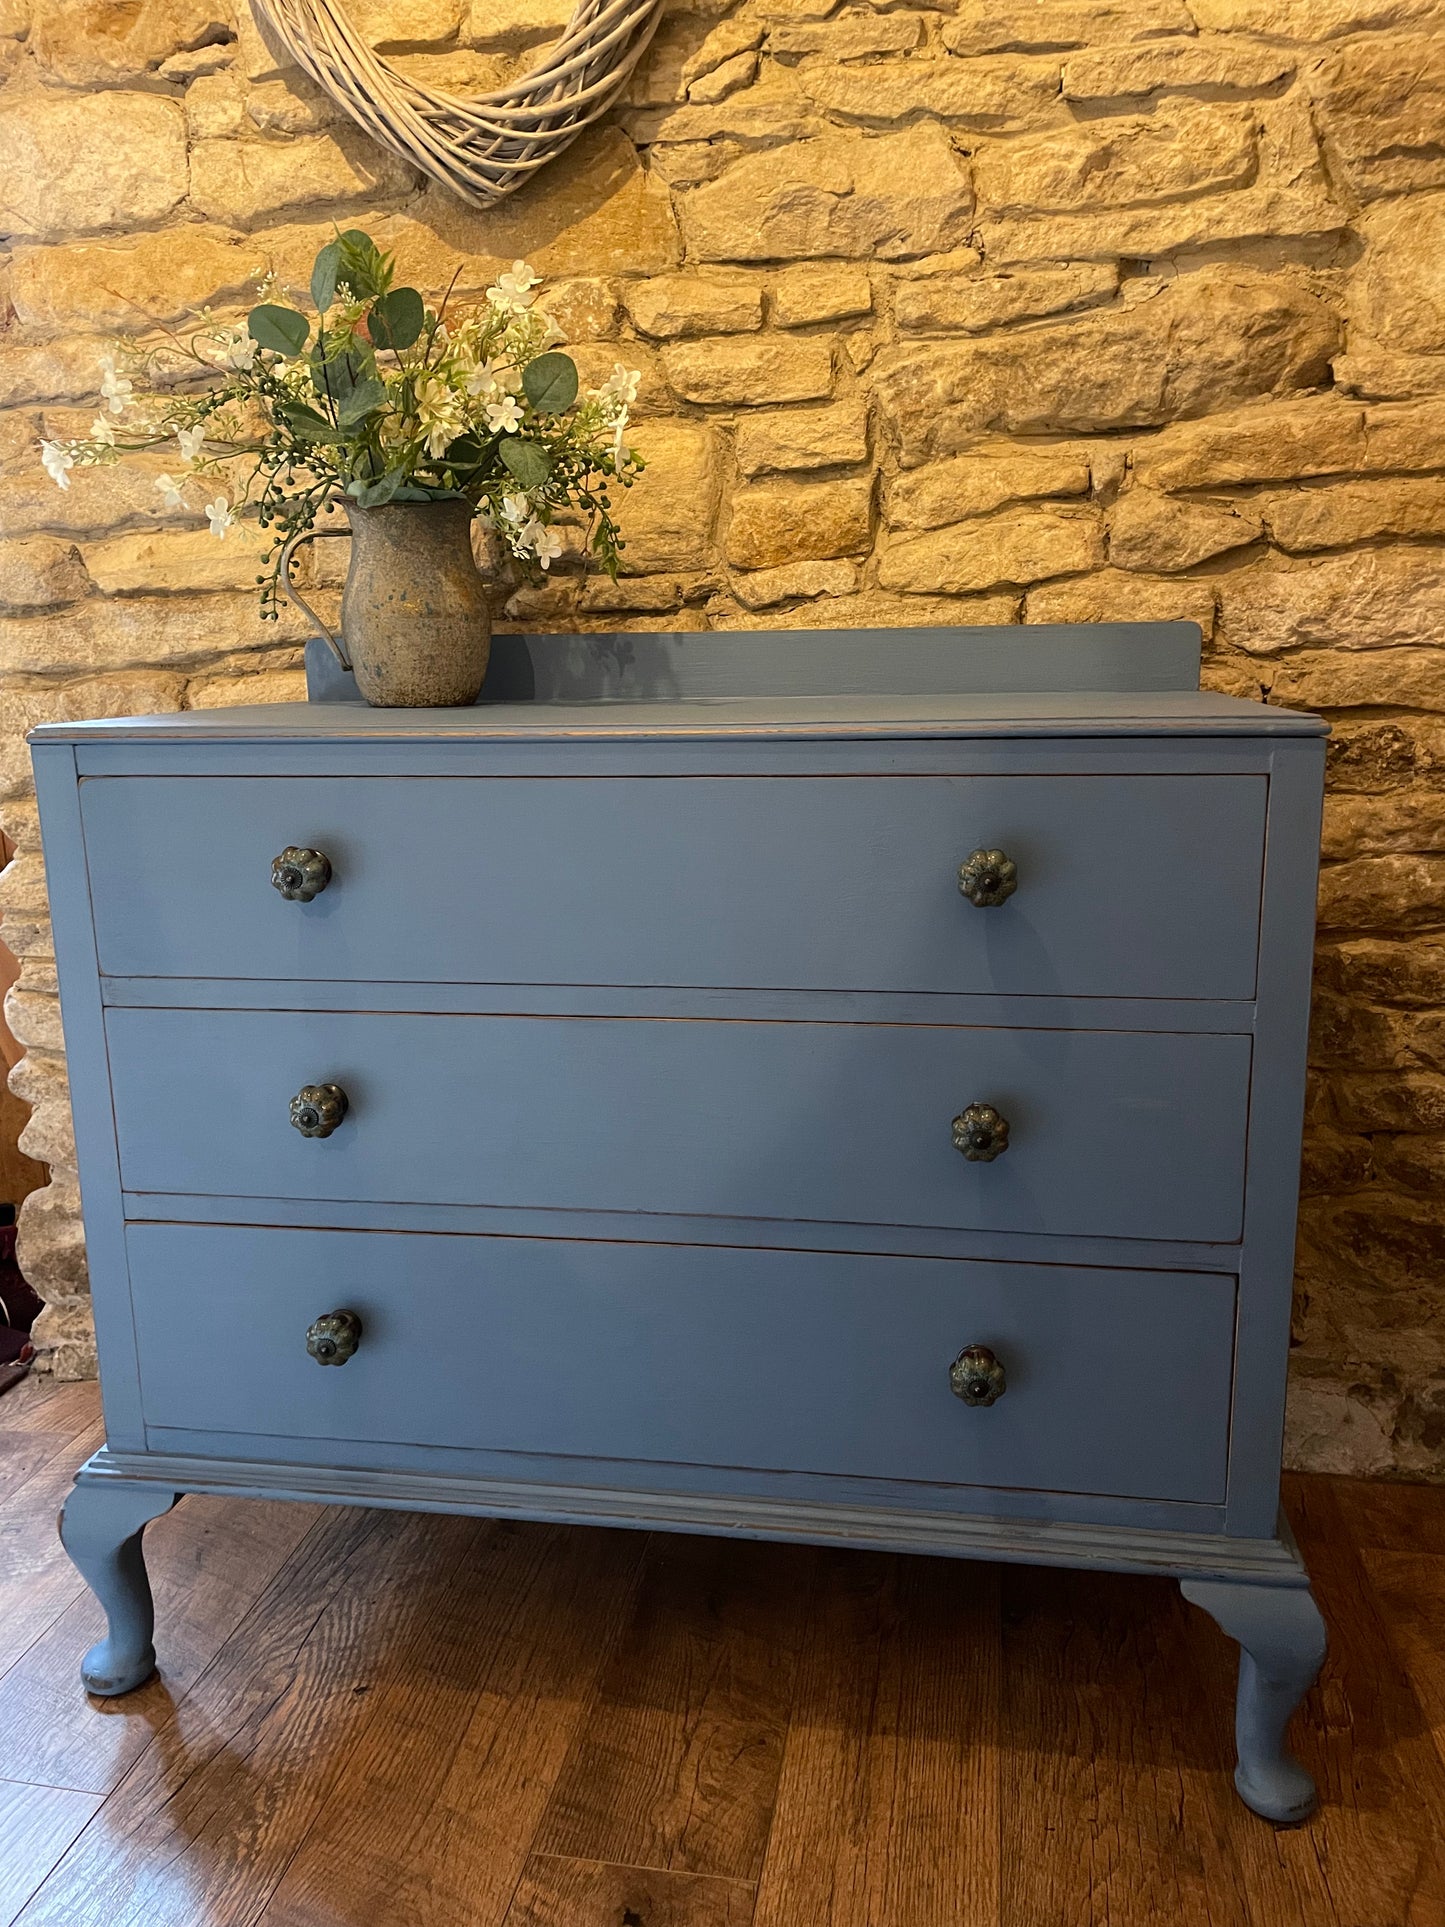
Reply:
x=480, y=148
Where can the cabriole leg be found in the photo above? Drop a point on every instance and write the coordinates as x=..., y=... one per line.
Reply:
x=100, y=1527
x=1282, y=1645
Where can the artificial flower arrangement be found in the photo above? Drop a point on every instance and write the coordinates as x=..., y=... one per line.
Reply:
x=384, y=400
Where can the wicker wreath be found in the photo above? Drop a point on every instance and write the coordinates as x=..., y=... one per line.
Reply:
x=480, y=148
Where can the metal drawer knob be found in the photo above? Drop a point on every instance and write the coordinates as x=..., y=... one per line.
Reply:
x=981, y=1133
x=317, y=1109
x=300, y=875
x=987, y=878
x=976, y=1376
x=334, y=1337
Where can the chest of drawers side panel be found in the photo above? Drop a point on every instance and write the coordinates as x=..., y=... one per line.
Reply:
x=68, y=881
x=1276, y=1119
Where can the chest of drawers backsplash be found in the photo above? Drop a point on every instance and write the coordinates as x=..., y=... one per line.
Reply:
x=801, y=1086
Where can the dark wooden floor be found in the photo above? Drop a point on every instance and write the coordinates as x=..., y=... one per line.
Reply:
x=371, y=1719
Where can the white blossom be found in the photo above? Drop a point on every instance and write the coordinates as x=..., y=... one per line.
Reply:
x=115, y=389
x=57, y=459
x=238, y=351
x=516, y=509
x=504, y=416
x=220, y=515
x=169, y=490
x=482, y=380
x=513, y=289
x=101, y=431
x=192, y=440
x=544, y=543
x=622, y=384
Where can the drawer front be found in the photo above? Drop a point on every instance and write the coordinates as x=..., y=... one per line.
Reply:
x=1118, y=1382
x=1112, y=1133
x=1127, y=885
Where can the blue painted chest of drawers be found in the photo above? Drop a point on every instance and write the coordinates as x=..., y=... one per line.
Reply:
x=833, y=1087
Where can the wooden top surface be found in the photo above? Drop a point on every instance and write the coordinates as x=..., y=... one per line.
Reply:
x=1028, y=714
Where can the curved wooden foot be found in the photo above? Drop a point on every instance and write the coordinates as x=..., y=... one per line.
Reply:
x=100, y=1527
x=1282, y=1645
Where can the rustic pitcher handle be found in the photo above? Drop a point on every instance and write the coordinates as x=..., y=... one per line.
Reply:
x=293, y=594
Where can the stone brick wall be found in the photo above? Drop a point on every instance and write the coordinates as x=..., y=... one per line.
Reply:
x=954, y=312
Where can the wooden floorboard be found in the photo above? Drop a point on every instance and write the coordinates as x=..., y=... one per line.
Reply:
x=370, y=1719
x=1115, y=1776
x=1380, y=1832
x=677, y=1764
x=1409, y=1588
x=465, y=1740
x=61, y=1407
x=37, y=1824
x=37, y=1581
x=556, y=1892
x=1386, y=1518
x=209, y=1561
x=22, y=1455
x=203, y=1826
x=888, y=1804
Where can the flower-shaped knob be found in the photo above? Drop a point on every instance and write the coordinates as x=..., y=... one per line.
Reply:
x=334, y=1337
x=981, y=1133
x=300, y=875
x=976, y=1376
x=317, y=1109
x=987, y=878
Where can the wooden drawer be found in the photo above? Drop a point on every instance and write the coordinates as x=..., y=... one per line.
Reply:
x=1128, y=885
x=1118, y=1381
x=1113, y=1134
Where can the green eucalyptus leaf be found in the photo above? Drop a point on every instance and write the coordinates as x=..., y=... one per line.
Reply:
x=526, y=462
x=281, y=329
x=338, y=373
x=324, y=276
x=550, y=383
x=307, y=425
x=397, y=319
x=360, y=400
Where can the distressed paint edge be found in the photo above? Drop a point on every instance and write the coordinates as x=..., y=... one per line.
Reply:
x=1263, y=1561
